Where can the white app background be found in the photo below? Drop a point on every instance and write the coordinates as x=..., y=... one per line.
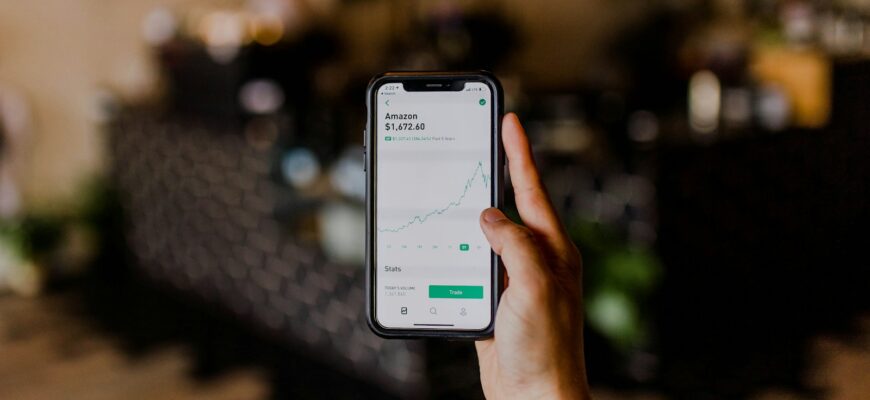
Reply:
x=433, y=180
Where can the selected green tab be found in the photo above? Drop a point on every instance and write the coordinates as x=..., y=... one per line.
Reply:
x=455, y=292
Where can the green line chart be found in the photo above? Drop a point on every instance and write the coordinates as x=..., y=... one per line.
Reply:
x=421, y=219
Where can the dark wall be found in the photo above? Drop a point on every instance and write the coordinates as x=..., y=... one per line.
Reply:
x=766, y=243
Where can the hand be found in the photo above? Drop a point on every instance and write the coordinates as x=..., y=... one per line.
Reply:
x=537, y=350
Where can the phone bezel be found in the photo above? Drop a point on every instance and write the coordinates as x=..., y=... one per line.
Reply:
x=497, y=165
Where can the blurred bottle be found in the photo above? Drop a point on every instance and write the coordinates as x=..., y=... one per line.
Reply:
x=789, y=60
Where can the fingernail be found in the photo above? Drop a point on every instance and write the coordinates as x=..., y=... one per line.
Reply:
x=492, y=215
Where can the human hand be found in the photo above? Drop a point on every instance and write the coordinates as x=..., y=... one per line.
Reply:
x=537, y=350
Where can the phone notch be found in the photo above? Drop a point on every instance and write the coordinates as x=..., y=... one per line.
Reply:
x=435, y=85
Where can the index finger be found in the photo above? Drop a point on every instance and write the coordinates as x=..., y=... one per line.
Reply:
x=532, y=200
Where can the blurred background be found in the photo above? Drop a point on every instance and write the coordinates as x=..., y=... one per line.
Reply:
x=181, y=192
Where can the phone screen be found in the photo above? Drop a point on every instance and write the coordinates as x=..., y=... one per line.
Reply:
x=433, y=171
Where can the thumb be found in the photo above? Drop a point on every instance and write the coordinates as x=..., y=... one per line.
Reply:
x=516, y=245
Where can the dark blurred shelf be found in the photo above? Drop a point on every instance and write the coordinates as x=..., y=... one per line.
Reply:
x=201, y=210
x=764, y=242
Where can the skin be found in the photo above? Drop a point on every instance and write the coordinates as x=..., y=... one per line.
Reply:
x=537, y=350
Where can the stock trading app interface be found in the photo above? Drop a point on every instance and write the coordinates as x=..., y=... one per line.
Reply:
x=433, y=171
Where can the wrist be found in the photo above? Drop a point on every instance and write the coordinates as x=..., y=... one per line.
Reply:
x=559, y=388
x=573, y=393
x=574, y=388
x=570, y=383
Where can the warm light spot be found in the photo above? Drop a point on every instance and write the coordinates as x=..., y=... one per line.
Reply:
x=704, y=101
x=223, y=33
x=266, y=30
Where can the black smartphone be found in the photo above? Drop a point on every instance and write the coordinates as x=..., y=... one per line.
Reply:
x=434, y=161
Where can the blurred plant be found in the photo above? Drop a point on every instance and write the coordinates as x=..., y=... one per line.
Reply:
x=619, y=279
x=21, y=239
x=39, y=247
x=11, y=257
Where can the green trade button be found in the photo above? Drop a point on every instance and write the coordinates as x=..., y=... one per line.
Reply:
x=464, y=247
x=455, y=292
